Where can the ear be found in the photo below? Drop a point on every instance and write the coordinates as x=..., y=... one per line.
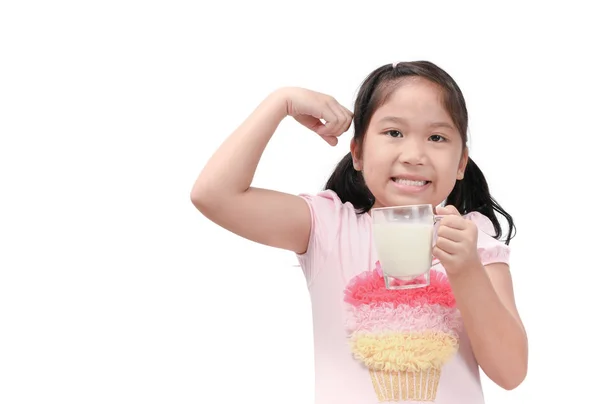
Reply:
x=462, y=166
x=356, y=160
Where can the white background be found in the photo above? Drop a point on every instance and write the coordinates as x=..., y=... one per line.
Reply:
x=113, y=289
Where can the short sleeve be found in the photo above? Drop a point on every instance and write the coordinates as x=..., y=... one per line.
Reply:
x=490, y=249
x=326, y=212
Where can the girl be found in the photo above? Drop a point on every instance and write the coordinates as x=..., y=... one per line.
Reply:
x=409, y=147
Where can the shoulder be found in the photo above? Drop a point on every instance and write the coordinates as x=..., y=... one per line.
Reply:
x=331, y=220
x=327, y=200
x=490, y=249
x=327, y=208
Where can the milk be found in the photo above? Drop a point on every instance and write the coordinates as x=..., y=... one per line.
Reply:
x=404, y=249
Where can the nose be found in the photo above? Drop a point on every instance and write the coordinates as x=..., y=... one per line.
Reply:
x=412, y=152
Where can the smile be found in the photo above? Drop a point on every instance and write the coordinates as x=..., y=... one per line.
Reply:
x=410, y=182
x=414, y=183
x=410, y=186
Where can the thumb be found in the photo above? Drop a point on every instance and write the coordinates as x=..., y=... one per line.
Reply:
x=447, y=210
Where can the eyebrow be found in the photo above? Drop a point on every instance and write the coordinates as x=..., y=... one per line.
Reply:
x=398, y=120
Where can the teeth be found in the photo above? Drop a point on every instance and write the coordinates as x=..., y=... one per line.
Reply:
x=409, y=182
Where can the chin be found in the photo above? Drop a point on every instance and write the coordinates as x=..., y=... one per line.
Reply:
x=399, y=201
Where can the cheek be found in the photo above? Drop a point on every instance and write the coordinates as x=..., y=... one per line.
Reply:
x=375, y=163
x=376, y=157
x=376, y=174
x=447, y=162
x=446, y=171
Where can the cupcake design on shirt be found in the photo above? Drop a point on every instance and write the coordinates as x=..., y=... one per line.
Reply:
x=403, y=337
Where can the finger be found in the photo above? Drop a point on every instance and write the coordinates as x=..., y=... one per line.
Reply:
x=310, y=122
x=450, y=233
x=347, y=118
x=338, y=128
x=441, y=254
x=350, y=113
x=448, y=246
x=331, y=121
x=316, y=126
x=455, y=222
x=332, y=140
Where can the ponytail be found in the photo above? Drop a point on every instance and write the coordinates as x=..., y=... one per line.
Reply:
x=349, y=185
x=472, y=194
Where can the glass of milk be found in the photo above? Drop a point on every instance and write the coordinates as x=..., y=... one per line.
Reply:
x=404, y=240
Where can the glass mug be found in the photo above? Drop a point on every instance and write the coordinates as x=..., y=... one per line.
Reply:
x=404, y=239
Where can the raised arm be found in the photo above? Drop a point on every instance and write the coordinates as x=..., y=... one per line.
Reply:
x=223, y=191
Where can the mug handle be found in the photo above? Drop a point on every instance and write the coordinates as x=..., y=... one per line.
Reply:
x=436, y=221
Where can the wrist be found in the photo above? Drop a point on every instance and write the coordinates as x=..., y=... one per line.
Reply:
x=469, y=271
x=280, y=99
x=276, y=104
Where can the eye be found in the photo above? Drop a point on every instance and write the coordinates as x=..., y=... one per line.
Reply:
x=437, y=138
x=393, y=133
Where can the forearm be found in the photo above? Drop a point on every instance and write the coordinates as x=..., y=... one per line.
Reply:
x=497, y=337
x=231, y=169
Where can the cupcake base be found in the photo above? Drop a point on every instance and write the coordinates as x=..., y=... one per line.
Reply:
x=405, y=386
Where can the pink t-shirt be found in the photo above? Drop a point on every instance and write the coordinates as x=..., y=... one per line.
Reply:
x=373, y=345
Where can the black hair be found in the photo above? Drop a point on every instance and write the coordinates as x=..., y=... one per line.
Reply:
x=471, y=194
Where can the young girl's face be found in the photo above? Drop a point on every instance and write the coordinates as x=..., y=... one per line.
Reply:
x=412, y=152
